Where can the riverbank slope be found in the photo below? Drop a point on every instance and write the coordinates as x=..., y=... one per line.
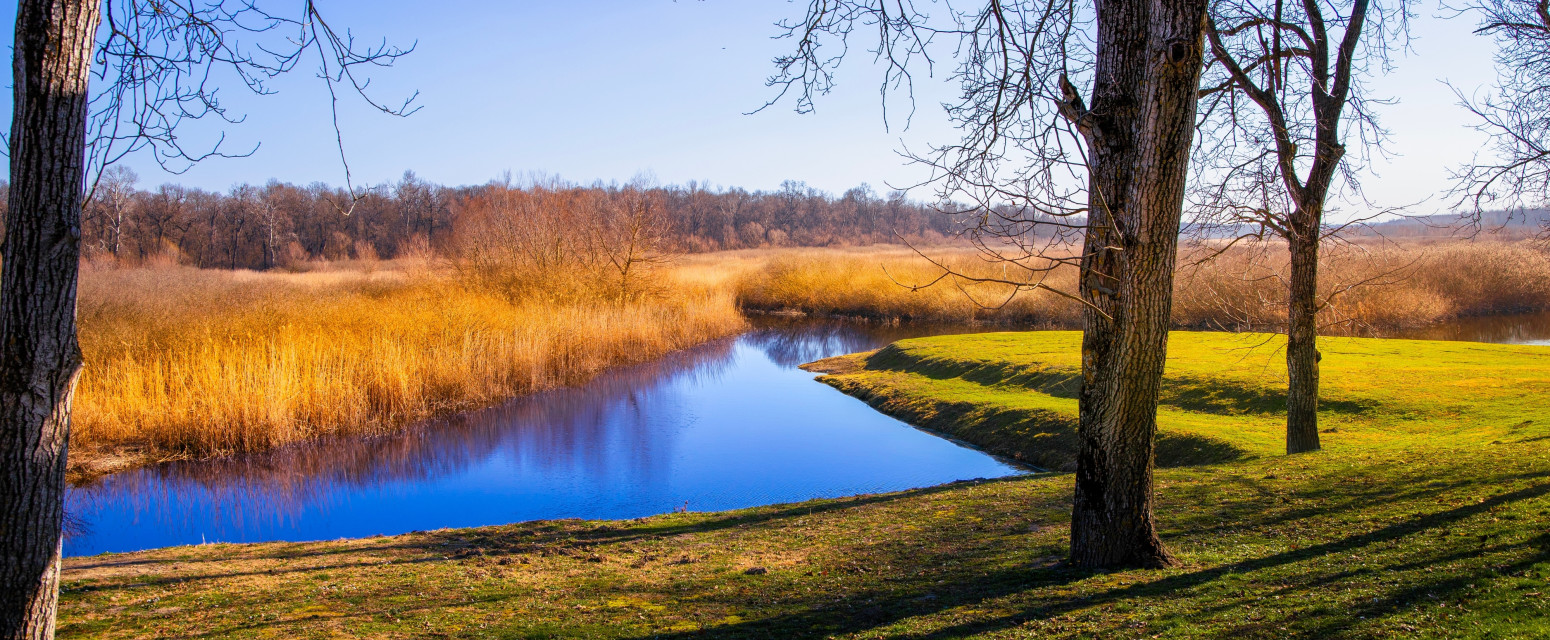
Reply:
x=1424, y=517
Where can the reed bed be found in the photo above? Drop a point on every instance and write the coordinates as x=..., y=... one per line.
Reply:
x=879, y=284
x=189, y=363
x=186, y=363
x=1371, y=288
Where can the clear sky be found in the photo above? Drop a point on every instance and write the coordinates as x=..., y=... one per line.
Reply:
x=608, y=89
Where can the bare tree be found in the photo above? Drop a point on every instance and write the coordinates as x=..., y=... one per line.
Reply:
x=1516, y=175
x=1284, y=92
x=240, y=208
x=111, y=201
x=629, y=235
x=526, y=241
x=155, y=61
x=1044, y=167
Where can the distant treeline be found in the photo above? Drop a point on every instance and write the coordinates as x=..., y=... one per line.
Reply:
x=282, y=225
x=1507, y=225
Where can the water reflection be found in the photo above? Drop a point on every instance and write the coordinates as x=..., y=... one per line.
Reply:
x=725, y=425
x=728, y=424
x=1528, y=328
x=790, y=342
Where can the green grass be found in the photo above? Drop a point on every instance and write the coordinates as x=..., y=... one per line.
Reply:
x=1425, y=517
x=1222, y=396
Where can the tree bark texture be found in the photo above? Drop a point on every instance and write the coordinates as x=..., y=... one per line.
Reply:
x=39, y=356
x=1302, y=330
x=1141, y=127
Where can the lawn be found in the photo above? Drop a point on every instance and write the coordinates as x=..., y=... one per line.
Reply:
x=1425, y=516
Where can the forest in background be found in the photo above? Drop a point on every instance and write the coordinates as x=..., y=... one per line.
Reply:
x=284, y=226
x=280, y=225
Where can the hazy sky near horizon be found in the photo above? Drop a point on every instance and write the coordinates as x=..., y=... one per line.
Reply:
x=609, y=89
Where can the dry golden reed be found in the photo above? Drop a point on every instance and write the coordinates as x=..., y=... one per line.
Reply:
x=183, y=362
x=877, y=283
x=189, y=363
x=1370, y=288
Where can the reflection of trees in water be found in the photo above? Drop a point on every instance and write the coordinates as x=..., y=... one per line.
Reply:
x=1529, y=327
x=793, y=341
x=613, y=424
x=621, y=425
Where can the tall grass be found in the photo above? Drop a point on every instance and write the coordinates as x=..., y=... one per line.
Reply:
x=876, y=283
x=183, y=362
x=1375, y=288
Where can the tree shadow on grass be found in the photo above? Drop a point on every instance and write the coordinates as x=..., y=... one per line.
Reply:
x=909, y=571
x=1220, y=395
x=569, y=537
x=875, y=610
x=1044, y=438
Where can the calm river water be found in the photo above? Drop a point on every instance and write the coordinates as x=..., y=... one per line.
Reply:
x=729, y=424
x=726, y=425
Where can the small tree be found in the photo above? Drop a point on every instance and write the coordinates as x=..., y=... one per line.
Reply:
x=628, y=234
x=111, y=200
x=1284, y=91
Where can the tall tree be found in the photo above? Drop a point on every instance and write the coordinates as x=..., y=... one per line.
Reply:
x=1515, y=175
x=1285, y=90
x=153, y=60
x=1044, y=170
x=39, y=357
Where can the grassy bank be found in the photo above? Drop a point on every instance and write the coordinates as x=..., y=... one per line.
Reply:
x=187, y=363
x=1222, y=396
x=1401, y=286
x=1424, y=518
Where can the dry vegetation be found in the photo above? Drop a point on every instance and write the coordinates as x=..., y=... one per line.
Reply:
x=1372, y=288
x=184, y=362
x=873, y=284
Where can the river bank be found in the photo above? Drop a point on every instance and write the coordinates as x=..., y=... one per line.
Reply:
x=1422, y=518
x=184, y=363
x=190, y=364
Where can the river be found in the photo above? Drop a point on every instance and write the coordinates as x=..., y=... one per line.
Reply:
x=725, y=425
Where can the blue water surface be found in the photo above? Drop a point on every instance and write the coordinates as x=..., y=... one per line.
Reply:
x=726, y=425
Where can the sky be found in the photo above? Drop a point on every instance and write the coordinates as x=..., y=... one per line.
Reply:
x=609, y=90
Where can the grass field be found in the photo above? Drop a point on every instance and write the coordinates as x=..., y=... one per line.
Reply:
x=1425, y=517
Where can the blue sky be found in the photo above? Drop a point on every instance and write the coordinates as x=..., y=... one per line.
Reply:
x=606, y=90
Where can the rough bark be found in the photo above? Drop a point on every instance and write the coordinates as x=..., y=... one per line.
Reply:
x=39, y=357
x=1302, y=353
x=1139, y=129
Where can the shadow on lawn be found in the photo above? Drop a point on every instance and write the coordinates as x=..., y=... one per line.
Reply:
x=569, y=537
x=884, y=577
x=1044, y=438
x=873, y=610
x=1216, y=395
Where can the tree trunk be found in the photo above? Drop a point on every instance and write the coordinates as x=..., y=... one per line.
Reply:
x=1142, y=125
x=39, y=357
x=1302, y=352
